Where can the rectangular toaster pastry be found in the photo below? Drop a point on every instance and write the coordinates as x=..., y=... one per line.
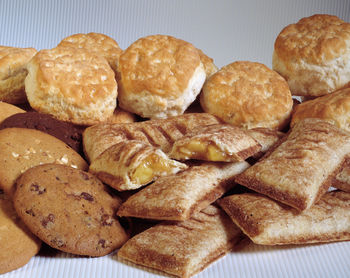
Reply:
x=159, y=133
x=184, y=248
x=300, y=170
x=268, y=222
x=178, y=196
x=218, y=142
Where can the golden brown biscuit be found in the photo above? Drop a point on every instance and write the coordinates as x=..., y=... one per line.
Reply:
x=219, y=142
x=208, y=63
x=131, y=164
x=179, y=196
x=300, y=170
x=22, y=148
x=268, y=222
x=313, y=55
x=18, y=244
x=160, y=76
x=97, y=43
x=249, y=95
x=7, y=110
x=334, y=108
x=160, y=133
x=121, y=116
x=184, y=248
x=71, y=84
x=13, y=61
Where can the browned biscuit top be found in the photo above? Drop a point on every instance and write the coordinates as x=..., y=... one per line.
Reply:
x=248, y=94
x=160, y=64
x=12, y=59
x=315, y=39
x=97, y=43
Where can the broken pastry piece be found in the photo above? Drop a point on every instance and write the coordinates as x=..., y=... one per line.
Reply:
x=268, y=222
x=132, y=164
x=218, y=142
x=178, y=196
x=184, y=248
x=300, y=170
x=159, y=133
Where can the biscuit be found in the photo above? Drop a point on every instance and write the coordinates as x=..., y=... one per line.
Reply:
x=179, y=196
x=184, y=248
x=248, y=95
x=131, y=164
x=69, y=209
x=160, y=76
x=268, y=222
x=208, y=63
x=22, y=148
x=160, y=133
x=313, y=55
x=7, y=110
x=301, y=168
x=13, y=71
x=334, y=108
x=72, y=85
x=220, y=142
x=96, y=43
x=18, y=244
x=66, y=132
x=121, y=116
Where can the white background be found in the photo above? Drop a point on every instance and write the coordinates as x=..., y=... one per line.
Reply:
x=225, y=30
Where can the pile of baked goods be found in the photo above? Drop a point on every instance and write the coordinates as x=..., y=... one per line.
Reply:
x=95, y=141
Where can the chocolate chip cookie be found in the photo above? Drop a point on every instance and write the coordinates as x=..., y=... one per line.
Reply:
x=69, y=209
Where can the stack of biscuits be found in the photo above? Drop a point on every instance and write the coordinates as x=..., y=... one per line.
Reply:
x=96, y=141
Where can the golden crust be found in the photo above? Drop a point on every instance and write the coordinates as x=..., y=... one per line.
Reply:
x=160, y=76
x=121, y=116
x=317, y=38
x=268, y=222
x=184, y=248
x=208, y=63
x=18, y=244
x=97, y=43
x=160, y=133
x=179, y=196
x=248, y=95
x=7, y=110
x=13, y=71
x=313, y=55
x=116, y=165
x=300, y=170
x=334, y=108
x=72, y=85
x=233, y=143
x=342, y=179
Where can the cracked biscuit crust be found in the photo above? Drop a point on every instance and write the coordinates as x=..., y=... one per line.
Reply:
x=313, y=55
x=160, y=76
x=72, y=85
x=249, y=95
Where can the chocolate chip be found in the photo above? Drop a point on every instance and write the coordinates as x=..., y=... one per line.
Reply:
x=57, y=178
x=49, y=219
x=34, y=187
x=58, y=242
x=102, y=242
x=86, y=196
x=84, y=176
x=106, y=220
x=30, y=212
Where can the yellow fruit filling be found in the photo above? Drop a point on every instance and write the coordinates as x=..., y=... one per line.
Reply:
x=202, y=150
x=150, y=167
